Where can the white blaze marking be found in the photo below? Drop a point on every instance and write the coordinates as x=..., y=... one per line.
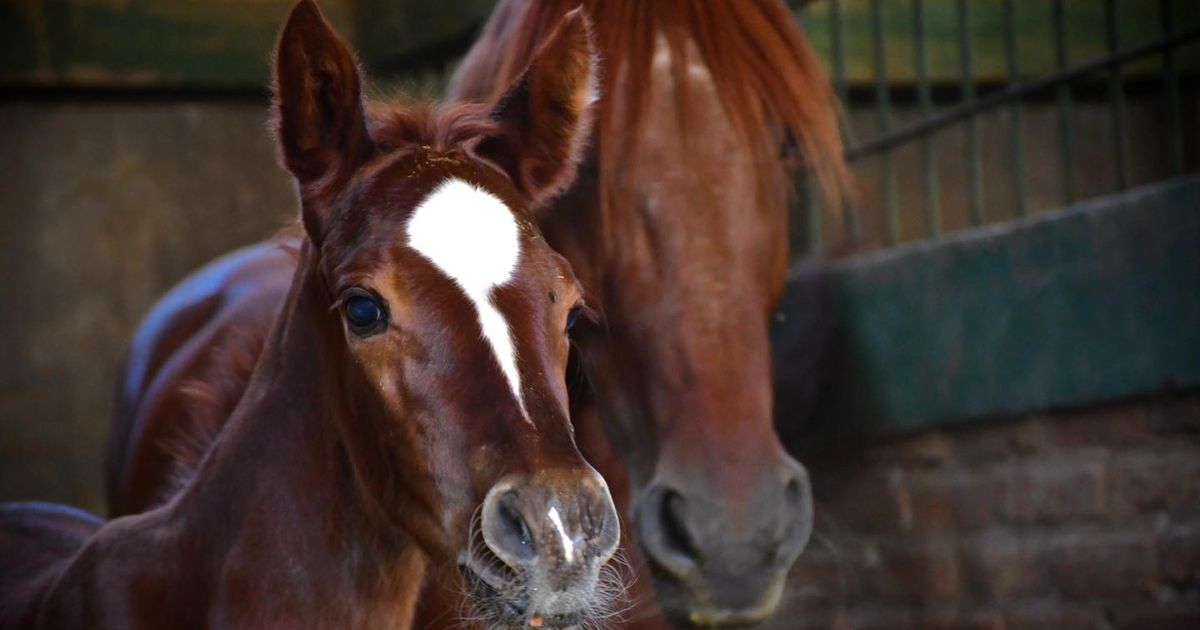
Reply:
x=472, y=237
x=567, y=544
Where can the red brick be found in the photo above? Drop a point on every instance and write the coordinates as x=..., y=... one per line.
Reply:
x=943, y=501
x=923, y=450
x=1122, y=426
x=1179, y=555
x=1156, y=481
x=860, y=501
x=1054, y=615
x=999, y=441
x=1184, y=615
x=1089, y=566
x=875, y=619
x=819, y=581
x=1176, y=415
x=1055, y=490
x=962, y=619
x=1000, y=566
x=927, y=570
x=862, y=618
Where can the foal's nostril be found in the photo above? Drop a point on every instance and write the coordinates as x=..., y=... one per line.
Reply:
x=506, y=532
x=511, y=520
x=535, y=526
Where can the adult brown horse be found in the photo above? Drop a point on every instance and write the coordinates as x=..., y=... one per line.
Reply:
x=677, y=227
x=414, y=378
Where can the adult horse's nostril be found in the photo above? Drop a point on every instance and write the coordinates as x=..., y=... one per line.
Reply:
x=675, y=529
x=791, y=491
x=666, y=534
x=797, y=515
x=505, y=530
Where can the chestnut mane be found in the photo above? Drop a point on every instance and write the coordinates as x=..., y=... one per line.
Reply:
x=767, y=77
x=438, y=127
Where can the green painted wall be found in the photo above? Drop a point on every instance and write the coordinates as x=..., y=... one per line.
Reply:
x=1096, y=302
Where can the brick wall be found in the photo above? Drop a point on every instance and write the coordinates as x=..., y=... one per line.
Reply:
x=1077, y=519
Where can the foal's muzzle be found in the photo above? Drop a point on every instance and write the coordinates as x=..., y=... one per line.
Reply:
x=548, y=538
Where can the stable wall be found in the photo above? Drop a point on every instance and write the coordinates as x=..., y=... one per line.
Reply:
x=1082, y=519
x=103, y=206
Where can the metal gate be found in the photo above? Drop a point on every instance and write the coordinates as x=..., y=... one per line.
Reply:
x=1091, y=51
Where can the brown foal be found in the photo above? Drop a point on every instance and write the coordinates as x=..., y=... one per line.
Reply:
x=407, y=405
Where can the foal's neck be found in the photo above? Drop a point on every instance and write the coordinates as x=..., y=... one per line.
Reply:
x=275, y=509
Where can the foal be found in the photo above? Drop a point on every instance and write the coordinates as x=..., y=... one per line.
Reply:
x=408, y=407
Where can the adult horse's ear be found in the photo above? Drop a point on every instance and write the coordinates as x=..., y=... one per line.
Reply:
x=319, y=118
x=545, y=117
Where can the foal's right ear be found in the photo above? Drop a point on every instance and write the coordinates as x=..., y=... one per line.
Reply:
x=320, y=121
x=545, y=117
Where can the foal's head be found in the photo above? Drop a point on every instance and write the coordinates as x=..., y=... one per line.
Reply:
x=445, y=335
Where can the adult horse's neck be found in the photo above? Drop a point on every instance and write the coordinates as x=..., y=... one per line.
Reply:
x=274, y=529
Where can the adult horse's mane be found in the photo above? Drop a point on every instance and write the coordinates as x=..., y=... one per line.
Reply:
x=766, y=75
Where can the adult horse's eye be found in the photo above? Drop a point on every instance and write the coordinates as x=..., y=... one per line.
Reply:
x=573, y=315
x=365, y=313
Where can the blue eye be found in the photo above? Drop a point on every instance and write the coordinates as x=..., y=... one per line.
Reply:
x=364, y=314
x=572, y=315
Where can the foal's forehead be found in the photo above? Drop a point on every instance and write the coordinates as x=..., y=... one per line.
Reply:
x=473, y=237
x=468, y=233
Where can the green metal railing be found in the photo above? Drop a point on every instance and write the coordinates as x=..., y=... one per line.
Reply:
x=1057, y=84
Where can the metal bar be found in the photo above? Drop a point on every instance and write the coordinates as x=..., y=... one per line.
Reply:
x=1066, y=134
x=883, y=100
x=1007, y=95
x=1116, y=95
x=812, y=201
x=1016, y=115
x=838, y=42
x=974, y=160
x=1171, y=77
x=925, y=99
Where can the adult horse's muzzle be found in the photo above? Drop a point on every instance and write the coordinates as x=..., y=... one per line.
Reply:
x=545, y=545
x=716, y=565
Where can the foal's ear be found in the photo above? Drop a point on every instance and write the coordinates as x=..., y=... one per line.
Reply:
x=545, y=117
x=320, y=124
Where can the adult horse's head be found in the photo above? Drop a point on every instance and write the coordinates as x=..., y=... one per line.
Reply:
x=679, y=230
x=447, y=315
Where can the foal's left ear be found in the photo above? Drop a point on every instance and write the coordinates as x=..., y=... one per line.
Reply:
x=545, y=117
x=320, y=121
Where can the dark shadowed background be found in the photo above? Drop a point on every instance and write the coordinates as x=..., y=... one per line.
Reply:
x=1007, y=424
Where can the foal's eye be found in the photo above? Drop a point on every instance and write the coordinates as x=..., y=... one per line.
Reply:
x=365, y=313
x=572, y=315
